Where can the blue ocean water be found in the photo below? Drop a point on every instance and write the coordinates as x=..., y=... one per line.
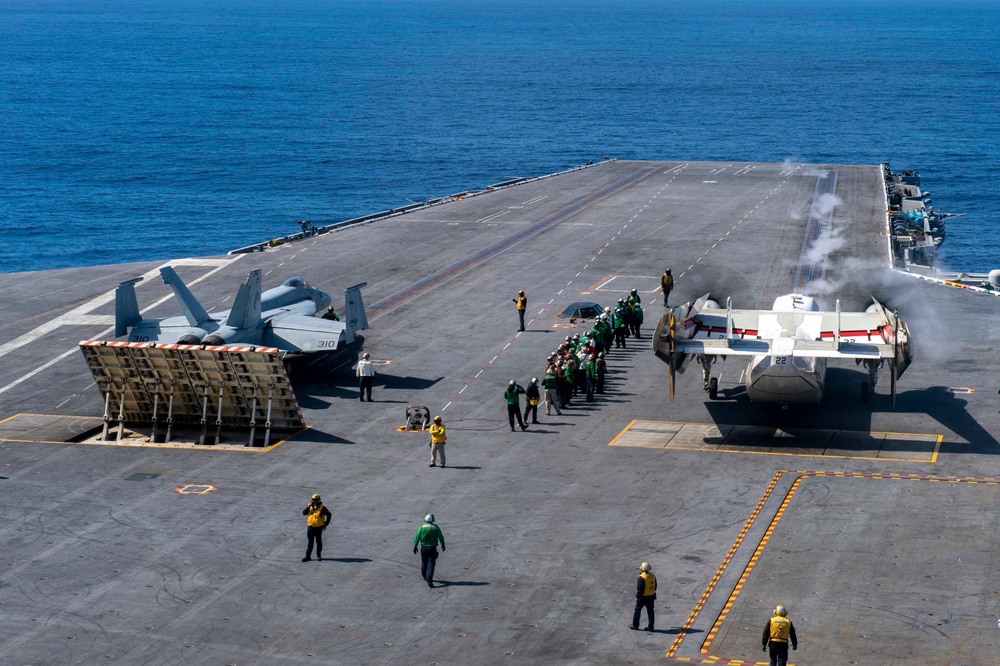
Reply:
x=147, y=129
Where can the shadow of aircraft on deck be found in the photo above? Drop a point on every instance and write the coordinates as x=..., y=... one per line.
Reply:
x=843, y=410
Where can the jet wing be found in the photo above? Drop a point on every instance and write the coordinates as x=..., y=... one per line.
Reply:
x=301, y=333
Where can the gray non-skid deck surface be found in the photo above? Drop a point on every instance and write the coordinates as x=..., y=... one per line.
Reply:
x=104, y=562
x=912, y=447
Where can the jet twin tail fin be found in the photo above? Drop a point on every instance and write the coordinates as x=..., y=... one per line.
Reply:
x=354, y=311
x=246, y=307
x=126, y=307
x=193, y=312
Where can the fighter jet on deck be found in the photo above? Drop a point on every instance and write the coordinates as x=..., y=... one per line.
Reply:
x=788, y=345
x=283, y=317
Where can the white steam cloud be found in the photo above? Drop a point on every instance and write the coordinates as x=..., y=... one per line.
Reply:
x=819, y=255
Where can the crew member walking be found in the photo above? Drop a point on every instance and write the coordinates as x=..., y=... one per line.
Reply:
x=666, y=283
x=522, y=305
x=366, y=375
x=645, y=595
x=777, y=632
x=317, y=518
x=438, y=437
x=428, y=536
x=513, y=397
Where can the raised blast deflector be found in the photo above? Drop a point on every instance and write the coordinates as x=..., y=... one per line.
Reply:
x=165, y=384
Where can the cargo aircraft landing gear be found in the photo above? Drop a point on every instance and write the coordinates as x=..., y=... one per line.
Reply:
x=868, y=387
x=709, y=383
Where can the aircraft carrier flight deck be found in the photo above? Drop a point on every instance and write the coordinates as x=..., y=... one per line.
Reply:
x=876, y=526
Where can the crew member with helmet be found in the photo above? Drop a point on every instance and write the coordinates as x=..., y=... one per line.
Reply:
x=512, y=395
x=618, y=325
x=521, y=304
x=438, y=438
x=533, y=396
x=427, y=538
x=666, y=284
x=602, y=371
x=551, y=380
x=645, y=595
x=366, y=375
x=317, y=518
x=777, y=632
x=636, y=319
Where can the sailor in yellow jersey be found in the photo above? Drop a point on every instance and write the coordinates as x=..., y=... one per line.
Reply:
x=317, y=518
x=521, y=302
x=438, y=438
x=777, y=632
x=645, y=595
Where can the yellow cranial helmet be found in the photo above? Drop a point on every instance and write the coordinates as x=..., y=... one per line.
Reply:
x=780, y=611
x=645, y=566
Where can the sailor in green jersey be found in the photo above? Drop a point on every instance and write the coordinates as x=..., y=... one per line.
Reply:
x=427, y=538
x=561, y=393
x=551, y=383
x=512, y=395
x=636, y=320
x=595, y=335
x=590, y=368
x=618, y=324
x=601, y=333
x=569, y=376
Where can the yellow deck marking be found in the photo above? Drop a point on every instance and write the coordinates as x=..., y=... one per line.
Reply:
x=707, y=657
x=196, y=489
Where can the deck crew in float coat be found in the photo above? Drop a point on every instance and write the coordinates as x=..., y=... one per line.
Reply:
x=645, y=595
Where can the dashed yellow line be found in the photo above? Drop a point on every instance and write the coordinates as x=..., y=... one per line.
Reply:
x=707, y=657
x=722, y=567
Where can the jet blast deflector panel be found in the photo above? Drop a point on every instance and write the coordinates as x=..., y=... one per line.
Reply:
x=223, y=386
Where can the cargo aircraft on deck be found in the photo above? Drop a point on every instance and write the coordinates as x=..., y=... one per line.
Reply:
x=788, y=346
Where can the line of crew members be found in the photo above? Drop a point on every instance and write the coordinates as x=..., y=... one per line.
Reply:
x=579, y=366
